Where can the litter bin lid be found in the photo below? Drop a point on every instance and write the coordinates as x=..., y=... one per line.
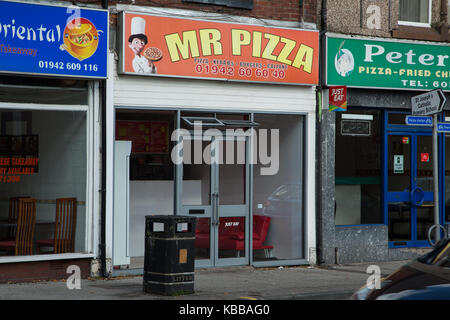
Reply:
x=159, y=217
x=162, y=226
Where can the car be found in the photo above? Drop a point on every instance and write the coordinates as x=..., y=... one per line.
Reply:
x=424, y=278
x=285, y=199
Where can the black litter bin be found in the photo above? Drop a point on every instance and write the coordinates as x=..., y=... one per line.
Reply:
x=169, y=255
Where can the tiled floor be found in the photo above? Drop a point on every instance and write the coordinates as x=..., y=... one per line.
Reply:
x=136, y=263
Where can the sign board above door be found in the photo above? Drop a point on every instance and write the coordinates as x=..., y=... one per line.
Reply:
x=383, y=63
x=53, y=40
x=178, y=47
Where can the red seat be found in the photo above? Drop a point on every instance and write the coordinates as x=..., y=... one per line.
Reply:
x=8, y=244
x=24, y=231
x=232, y=233
x=202, y=233
x=48, y=242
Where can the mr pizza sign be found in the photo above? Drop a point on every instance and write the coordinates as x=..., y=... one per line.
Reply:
x=155, y=45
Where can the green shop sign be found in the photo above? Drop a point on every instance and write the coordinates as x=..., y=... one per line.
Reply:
x=387, y=64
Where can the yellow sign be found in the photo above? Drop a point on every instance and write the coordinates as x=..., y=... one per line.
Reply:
x=80, y=38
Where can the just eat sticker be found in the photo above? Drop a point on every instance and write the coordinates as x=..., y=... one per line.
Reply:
x=424, y=157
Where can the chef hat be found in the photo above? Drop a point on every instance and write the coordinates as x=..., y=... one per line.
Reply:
x=137, y=26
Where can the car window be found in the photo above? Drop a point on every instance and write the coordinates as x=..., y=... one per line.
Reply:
x=440, y=253
x=443, y=258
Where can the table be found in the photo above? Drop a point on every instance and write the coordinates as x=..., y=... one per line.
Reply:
x=6, y=223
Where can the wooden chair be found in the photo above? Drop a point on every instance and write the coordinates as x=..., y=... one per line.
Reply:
x=13, y=215
x=24, y=232
x=65, y=225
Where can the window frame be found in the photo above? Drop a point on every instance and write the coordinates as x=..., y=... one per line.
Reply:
x=89, y=247
x=357, y=113
x=417, y=24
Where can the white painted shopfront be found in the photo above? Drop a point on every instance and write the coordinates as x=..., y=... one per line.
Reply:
x=150, y=183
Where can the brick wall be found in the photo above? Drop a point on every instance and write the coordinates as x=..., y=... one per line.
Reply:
x=41, y=270
x=353, y=17
x=309, y=11
x=285, y=10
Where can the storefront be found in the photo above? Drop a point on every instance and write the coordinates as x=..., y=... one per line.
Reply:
x=49, y=103
x=219, y=126
x=384, y=196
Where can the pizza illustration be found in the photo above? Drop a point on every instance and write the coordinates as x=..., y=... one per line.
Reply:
x=153, y=54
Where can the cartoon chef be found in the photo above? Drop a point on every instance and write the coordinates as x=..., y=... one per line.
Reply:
x=137, y=42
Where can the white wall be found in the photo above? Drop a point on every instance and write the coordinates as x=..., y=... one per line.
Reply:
x=348, y=204
x=154, y=198
x=162, y=92
x=205, y=95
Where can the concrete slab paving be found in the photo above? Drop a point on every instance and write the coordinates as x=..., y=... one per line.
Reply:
x=232, y=283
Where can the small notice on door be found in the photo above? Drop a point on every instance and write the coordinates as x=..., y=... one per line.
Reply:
x=398, y=163
x=425, y=157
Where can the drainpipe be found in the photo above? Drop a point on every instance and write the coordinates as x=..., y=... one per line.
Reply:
x=443, y=29
x=102, y=244
x=319, y=89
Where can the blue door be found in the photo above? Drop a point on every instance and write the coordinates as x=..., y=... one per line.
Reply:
x=409, y=182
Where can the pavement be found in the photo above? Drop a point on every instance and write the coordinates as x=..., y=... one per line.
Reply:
x=332, y=282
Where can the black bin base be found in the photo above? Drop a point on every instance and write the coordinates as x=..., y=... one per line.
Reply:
x=168, y=289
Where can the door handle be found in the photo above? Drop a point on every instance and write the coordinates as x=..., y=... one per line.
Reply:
x=213, y=204
x=215, y=209
x=417, y=196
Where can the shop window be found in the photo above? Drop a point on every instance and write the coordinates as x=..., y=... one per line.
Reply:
x=245, y=4
x=43, y=160
x=278, y=216
x=151, y=170
x=447, y=180
x=149, y=133
x=358, y=168
x=415, y=12
x=196, y=173
x=447, y=173
x=14, y=89
x=397, y=118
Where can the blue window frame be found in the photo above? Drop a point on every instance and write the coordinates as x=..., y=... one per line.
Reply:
x=408, y=212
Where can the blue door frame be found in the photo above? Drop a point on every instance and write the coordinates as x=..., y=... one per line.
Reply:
x=405, y=196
